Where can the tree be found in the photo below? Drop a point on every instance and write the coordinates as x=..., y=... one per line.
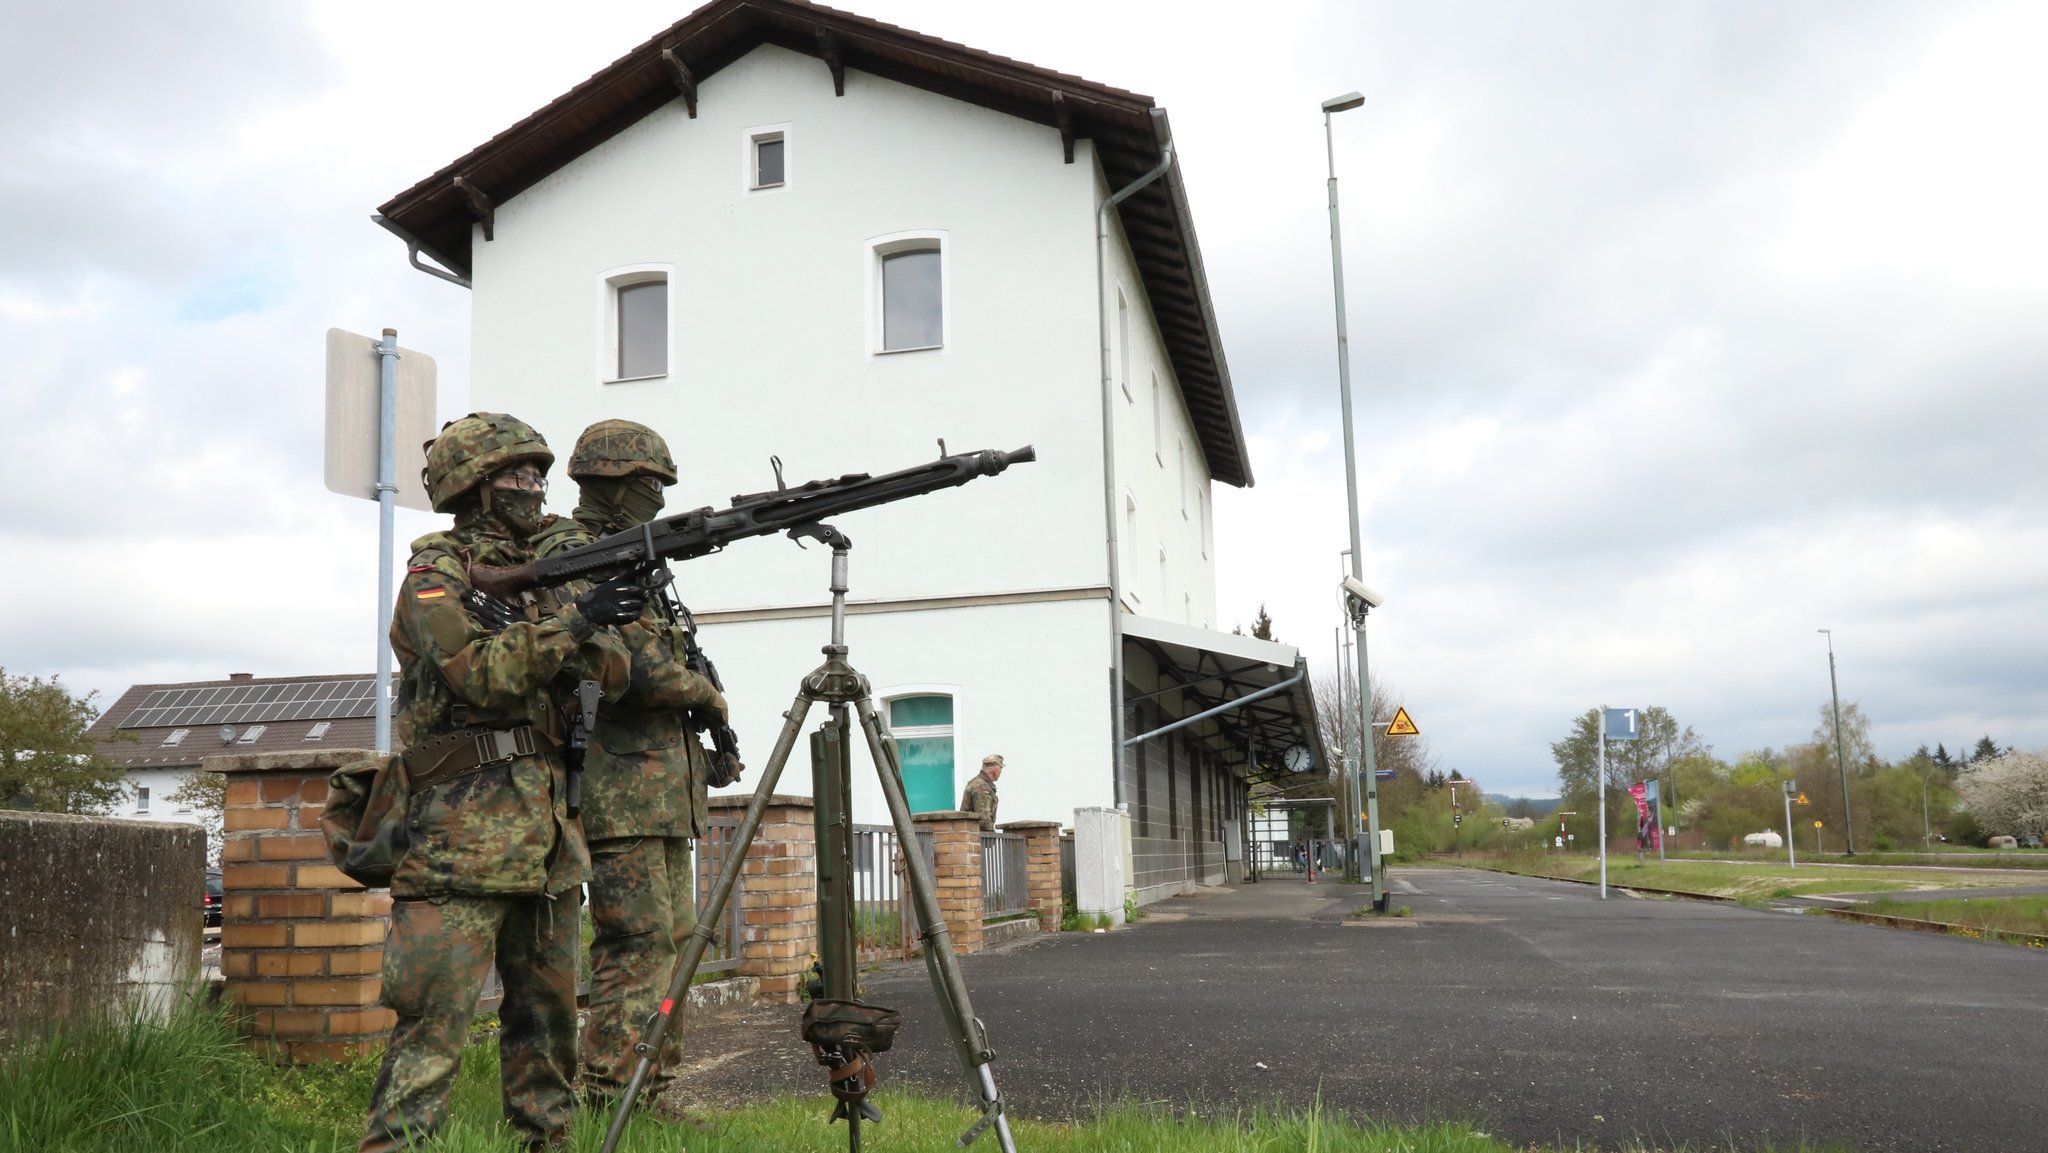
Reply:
x=1942, y=758
x=1660, y=742
x=1856, y=744
x=206, y=794
x=1262, y=625
x=47, y=762
x=1986, y=749
x=2008, y=794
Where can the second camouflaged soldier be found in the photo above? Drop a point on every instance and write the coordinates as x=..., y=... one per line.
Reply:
x=979, y=797
x=644, y=777
x=492, y=860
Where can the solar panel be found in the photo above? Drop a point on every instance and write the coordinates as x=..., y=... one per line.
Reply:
x=255, y=704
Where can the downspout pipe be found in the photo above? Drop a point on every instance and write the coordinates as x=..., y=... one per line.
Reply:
x=1163, y=134
x=412, y=251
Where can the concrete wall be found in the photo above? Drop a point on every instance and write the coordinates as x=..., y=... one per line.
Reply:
x=99, y=918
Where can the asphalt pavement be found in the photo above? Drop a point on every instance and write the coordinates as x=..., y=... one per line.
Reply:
x=1531, y=1008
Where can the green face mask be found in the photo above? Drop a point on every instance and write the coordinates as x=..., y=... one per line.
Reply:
x=518, y=511
x=638, y=503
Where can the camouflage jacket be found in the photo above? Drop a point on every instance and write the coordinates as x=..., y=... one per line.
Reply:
x=979, y=798
x=645, y=772
x=503, y=829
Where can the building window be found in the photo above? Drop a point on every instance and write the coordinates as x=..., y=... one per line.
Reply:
x=923, y=729
x=1158, y=424
x=640, y=329
x=767, y=160
x=318, y=731
x=141, y=799
x=251, y=734
x=1202, y=515
x=1123, y=343
x=175, y=737
x=913, y=305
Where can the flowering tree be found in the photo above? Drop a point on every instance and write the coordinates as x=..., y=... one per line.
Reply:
x=2008, y=793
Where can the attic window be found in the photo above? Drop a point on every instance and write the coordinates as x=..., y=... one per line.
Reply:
x=318, y=731
x=250, y=734
x=768, y=150
x=175, y=737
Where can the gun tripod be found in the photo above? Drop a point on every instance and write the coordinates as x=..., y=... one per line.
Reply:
x=843, y=1033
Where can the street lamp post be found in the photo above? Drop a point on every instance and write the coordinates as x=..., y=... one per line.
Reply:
x=1331, y=106
x=1841, y=761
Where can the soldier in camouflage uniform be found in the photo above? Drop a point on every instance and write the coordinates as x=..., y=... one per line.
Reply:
x=492, y=859
x=644, y=776
x=979, y=797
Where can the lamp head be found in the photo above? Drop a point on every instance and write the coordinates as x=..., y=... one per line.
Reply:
x=1344, y=103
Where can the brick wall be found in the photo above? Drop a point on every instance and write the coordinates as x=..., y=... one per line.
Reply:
x=302, y=946
x=956, y=856
x=1041, y=869
x=778, y=895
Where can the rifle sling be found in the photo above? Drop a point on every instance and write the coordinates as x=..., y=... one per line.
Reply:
x=451, y=755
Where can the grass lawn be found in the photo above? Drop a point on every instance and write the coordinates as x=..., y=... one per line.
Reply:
x=2009, y=914
x=190, y=1085
x=1748, y=880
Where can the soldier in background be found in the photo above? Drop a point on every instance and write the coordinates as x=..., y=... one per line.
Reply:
x=979, y=797
x=644, y=776
x=492, y=859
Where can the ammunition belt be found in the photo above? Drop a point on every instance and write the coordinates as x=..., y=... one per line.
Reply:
x=464, y=751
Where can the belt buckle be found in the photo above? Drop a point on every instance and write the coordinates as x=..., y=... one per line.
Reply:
x=496, y=745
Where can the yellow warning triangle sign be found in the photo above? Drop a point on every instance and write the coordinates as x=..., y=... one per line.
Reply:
x=1401, y=726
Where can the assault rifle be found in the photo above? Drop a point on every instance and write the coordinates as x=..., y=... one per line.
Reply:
x=725, y=744
x=636, y=552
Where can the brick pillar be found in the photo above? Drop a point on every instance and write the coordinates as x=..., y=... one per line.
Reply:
x=956, y=854
x=1041, y=869
x=302, y=946
x=778, y=895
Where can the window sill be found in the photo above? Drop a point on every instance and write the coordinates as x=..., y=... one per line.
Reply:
x=767, y=187
x=635, y=379
x=916, y=348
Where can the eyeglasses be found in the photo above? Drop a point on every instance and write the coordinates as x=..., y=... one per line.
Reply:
x=524, y=476
x=650, y=483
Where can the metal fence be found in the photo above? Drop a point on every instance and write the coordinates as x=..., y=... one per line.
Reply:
x=723, y=954
x=1002, y=875
x=884, y=920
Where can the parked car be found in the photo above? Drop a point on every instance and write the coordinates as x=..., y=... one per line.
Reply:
x=210, y=905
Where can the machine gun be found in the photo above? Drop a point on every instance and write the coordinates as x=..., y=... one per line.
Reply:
x=637, y=552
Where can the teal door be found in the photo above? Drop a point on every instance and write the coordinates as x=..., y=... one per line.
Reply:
x=923, y=727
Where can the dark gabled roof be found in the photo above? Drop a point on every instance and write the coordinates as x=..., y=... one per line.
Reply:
x=286, y=707
x=438, y=212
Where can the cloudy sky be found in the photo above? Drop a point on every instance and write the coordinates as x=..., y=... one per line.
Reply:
x=1679, y=331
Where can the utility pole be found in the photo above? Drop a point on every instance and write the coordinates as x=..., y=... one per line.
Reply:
x=1841, y=759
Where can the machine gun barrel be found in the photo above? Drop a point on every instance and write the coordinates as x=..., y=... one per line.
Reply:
x=706, y=530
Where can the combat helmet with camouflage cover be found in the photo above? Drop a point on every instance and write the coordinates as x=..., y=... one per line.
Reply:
x=621, y=448
x=470, y=450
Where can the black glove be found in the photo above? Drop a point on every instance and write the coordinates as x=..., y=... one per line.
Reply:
x=490, y=612
x=613, y=602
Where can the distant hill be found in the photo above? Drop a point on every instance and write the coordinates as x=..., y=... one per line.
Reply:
x=1538, y=806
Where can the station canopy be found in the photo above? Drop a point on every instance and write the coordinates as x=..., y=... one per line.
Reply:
x=1235, y=679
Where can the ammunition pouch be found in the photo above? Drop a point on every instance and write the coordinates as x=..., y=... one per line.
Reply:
x=440, y=759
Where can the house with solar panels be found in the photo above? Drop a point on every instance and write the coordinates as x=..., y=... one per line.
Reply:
x=777, y=230
x=161, y=733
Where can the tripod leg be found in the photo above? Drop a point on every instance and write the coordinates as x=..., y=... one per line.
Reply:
x=940, y=962
x=649, y=1048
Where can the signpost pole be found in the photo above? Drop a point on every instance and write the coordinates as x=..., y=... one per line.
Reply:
x=1791, y=855
x=1600, y=795
x=387, y=497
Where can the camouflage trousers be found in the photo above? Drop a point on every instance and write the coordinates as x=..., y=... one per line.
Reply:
x=643, y=904
x=435, y=964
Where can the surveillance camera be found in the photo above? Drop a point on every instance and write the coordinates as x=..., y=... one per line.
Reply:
x=1360, y=596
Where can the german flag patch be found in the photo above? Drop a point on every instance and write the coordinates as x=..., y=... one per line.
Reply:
x=430, y=594
x=421, y=568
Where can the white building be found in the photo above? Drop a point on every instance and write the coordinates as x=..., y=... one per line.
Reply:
x=775, y=229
